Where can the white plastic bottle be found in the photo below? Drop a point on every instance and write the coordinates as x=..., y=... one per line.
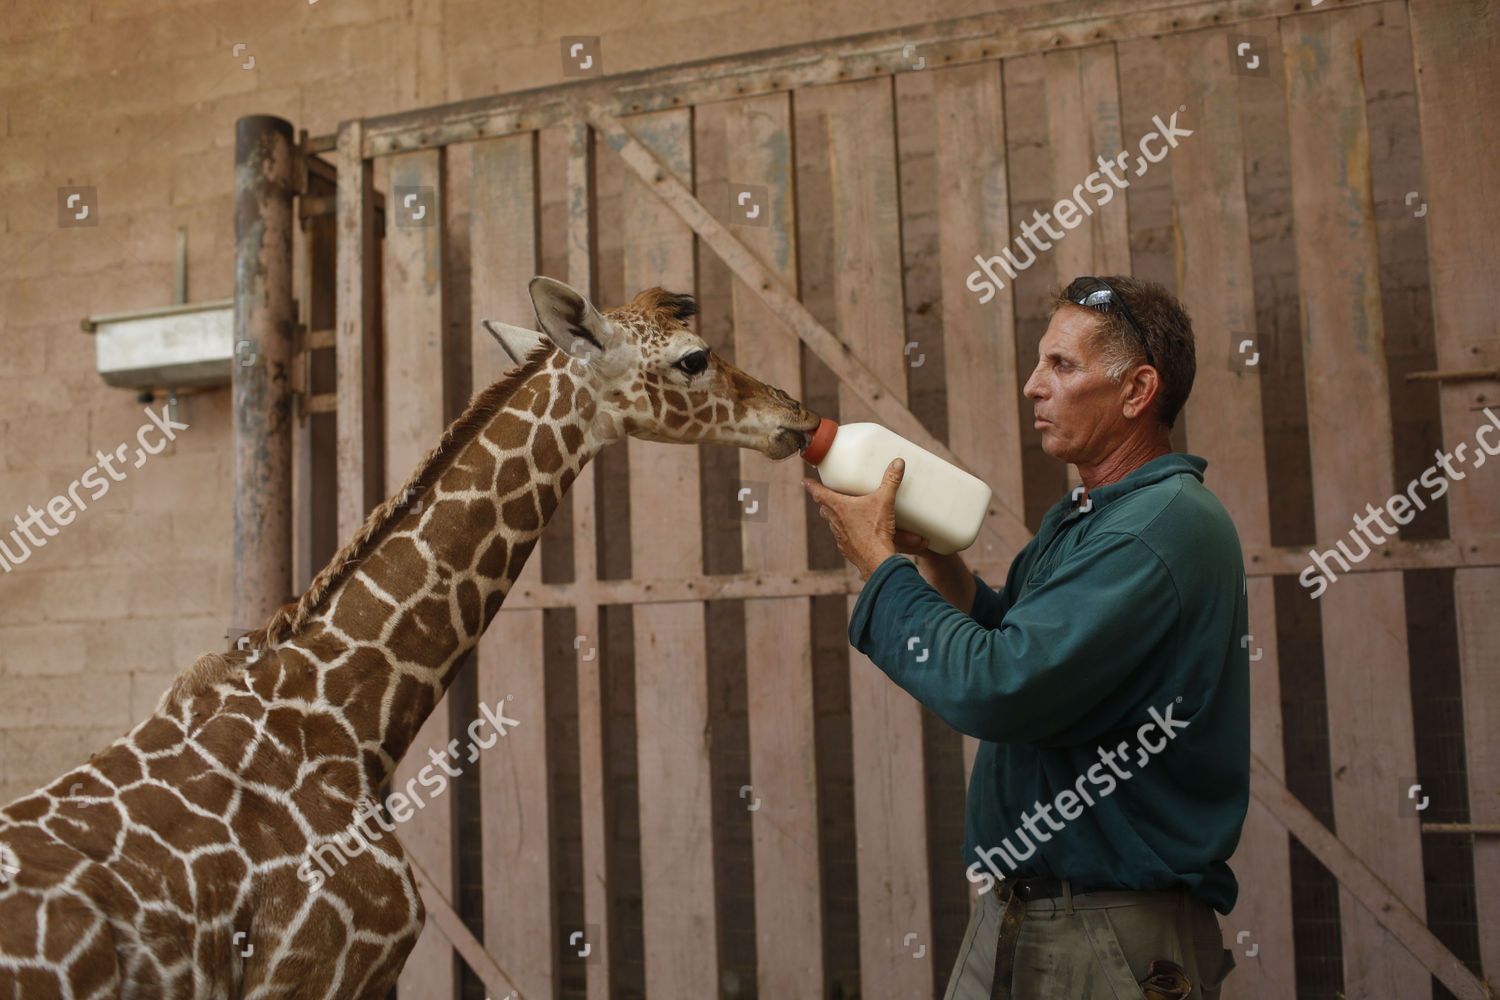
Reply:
x=936, y=499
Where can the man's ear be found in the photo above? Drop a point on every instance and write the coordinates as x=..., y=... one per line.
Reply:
x=1144, y=385
x=518, y=343
x=568, y=318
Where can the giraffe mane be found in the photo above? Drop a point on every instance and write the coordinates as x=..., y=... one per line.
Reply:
x=288, y=619
x=206, y=672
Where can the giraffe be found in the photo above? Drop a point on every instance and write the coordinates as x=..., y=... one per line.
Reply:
x=174, y=863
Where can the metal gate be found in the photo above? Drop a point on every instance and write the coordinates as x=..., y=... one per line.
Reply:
x=709, y=793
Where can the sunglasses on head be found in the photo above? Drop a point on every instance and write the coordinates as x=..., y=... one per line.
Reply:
x=1100, y=296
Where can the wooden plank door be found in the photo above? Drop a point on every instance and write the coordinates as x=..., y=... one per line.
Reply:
x=778, y=631
x=1223, y=417
x=984, y=375
x=1457, y=47
x=361, y=460
x=1371, y=742
x=415, y=320
x=1083, y=122
x=593, y=792
x=895, y=919
x=671, y=667
x=519, y=919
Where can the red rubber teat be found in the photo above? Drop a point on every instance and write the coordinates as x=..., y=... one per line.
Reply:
x=822, y=438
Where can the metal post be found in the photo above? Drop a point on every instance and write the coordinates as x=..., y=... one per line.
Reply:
x=263, y=325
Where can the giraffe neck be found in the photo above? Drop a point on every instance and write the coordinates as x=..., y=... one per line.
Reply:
x=393, y=631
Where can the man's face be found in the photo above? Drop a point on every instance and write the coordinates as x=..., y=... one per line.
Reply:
x=1078, y=409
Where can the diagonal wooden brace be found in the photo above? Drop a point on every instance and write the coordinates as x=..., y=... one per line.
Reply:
x=481, y=962
x=1006, y=527
x=1360, y=879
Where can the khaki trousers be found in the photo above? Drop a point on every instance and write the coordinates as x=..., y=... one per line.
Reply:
x=1099, y=951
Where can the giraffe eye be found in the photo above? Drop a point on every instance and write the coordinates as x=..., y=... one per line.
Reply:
x=693, y=363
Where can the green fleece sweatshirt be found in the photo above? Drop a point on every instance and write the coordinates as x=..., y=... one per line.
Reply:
x=1108, y=682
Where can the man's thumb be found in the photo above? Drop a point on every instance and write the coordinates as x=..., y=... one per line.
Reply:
x=894, y=472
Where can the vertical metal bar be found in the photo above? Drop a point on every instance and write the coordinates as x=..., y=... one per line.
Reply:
x=263, y=320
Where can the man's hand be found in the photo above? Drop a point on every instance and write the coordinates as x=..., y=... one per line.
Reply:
x=864, y=527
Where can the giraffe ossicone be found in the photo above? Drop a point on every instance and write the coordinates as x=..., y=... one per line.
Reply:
x=167, y=865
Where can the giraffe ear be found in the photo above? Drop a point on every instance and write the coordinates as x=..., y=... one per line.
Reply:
x=568, y=318
x=518, y=342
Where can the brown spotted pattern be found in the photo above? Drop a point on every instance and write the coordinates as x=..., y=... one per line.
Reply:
x=174, y=863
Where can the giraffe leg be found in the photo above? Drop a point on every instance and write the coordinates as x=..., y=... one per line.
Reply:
x=388, y=968
x=290, y=978
x=334, y=946
x=384, y=979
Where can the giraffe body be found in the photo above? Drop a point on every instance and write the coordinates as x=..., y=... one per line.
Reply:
x=181, y=861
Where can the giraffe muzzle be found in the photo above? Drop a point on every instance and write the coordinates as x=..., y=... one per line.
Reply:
x=791, y=440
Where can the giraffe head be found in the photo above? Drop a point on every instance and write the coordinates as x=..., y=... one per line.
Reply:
x=652, y=377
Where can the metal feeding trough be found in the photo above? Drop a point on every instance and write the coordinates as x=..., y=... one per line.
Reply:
x=173, y=347
x=181, y=346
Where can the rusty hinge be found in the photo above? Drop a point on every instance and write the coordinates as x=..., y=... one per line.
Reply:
x=306, y=402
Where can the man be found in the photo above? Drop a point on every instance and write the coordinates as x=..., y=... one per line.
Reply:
x=1107, y=681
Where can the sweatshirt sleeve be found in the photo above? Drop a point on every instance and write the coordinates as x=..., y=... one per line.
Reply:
x=989, y=605
x=1056, y=667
